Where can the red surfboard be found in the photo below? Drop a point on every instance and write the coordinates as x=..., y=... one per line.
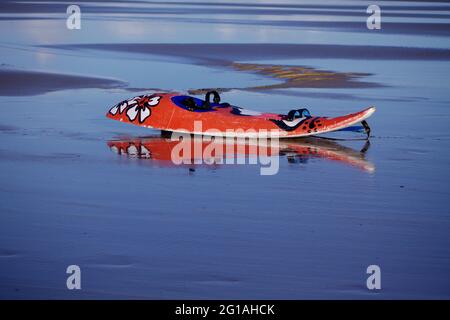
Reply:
x=187, y=114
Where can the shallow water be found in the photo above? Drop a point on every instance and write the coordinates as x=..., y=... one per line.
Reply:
x=142, y=228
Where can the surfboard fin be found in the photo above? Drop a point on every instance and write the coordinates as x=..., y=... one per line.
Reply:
x=366, y=128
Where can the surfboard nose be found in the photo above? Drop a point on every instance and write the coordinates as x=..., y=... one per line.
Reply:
x=371, y=110
x=115, y=111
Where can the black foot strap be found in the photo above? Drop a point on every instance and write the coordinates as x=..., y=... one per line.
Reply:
x=298, y=113
x=216, y=98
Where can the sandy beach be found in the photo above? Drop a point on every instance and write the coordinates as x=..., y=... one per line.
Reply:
x=79, y=189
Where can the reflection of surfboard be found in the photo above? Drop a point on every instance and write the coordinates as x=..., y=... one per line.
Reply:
x=180, y=113
x=159, y=150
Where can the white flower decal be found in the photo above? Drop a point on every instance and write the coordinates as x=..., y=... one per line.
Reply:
x=138, y=151
x=138, y=107
x=120, y=107
x=132, y=149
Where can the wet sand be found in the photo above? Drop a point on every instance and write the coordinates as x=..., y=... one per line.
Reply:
x=260, y=14
x=224, y=53
x=77, y=188
x=28, y=83
x=295, y=77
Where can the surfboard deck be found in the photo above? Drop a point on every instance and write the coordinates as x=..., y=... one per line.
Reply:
x=172, y=112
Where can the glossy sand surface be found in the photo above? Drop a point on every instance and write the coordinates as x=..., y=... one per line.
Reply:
x=141, y=227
